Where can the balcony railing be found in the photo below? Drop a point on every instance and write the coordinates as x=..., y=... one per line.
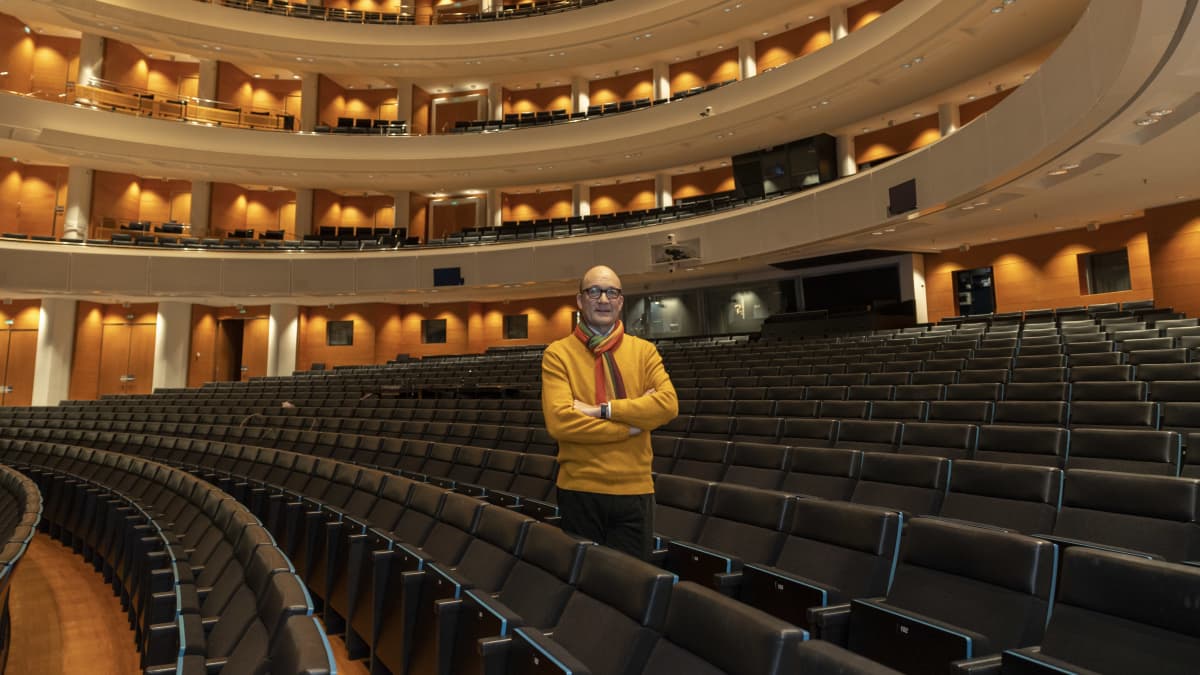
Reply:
x=344, y=15
x=118, y=98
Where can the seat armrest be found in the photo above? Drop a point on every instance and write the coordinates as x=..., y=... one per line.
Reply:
x=1030, y=660
x=1193, y=563
x=830, y=623
x=1066, y=542
x=986, y=665
x=931, y=643
x=693, y=562
x=536, y=654
x=784, y=595
x=727, y=583
x=495, y=618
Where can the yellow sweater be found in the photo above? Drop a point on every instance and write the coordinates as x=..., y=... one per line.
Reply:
x=596, y=455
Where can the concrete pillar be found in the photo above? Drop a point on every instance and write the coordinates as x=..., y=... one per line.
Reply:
x=747, y=59
x=486, y=7
x=172, y=344
x=495, y=104
x=283, y=335
x=912, y=284
x=304, y=212
x=839, y=26
x=404, y=105
x=91, y=58
x=55, y=346
x=201, y=213
x=662, y=190
x=948, y=119
x=495, y=208
x=206, y=86
x=401, y=209
x=79, y=203
x=580, y=94
x=847, y=166
x=662, y=80
x=310, y=102
x=581, y=199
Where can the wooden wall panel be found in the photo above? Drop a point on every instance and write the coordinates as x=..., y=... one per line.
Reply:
x=534, y=205
x=237, y=87
x=537, y=100
x=972, y=109
x=549, y=320
x=716, y=67
x=331, y=101
x=377, y=104
x=90, y=349
x=707, y=182
x=327, y=209
x=85, y=361
x=164, y=200
x=12, y=180
x=457, y=337
x=450, y=216
x=125, y=64
x=115, y=195
x=266, y=210
x=627, y=87
x=202, y=360
x=17, y=49
x=1043, y=271
x=1174, y=237
x=446, y=114
x=172, y=78
x=858, y=16
x=24, y=314
x=254, y=347
x=228, y=210
x=623, y=197
x=367, y=211
x=28, y=196
x=56, y=60
x=776, y=50
x=421, y=101
x=896, y=140
x=313, y=347
x=418, y=216
x=20, y=356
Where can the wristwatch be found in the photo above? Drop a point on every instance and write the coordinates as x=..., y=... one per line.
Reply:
x=605, y=411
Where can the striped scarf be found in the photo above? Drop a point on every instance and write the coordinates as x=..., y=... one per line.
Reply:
x=602, y=347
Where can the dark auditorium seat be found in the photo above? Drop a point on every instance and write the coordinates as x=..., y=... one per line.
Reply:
x=914, y=484
x=1015, y=497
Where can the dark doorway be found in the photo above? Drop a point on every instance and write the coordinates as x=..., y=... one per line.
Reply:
x=230, y=336
x=976, y=292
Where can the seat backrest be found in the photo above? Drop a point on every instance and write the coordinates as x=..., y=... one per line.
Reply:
x=680, y=505
x=747, y=522
x=851, y=549
x=1011, y=496
x=544, y=576
x=701, y=458
x=759, y=465
x=869, y=435
x=994, y=583
x=809, y=432
x=1021, y=444
x=914, y=484
x=1103, y=595
x=1151, y=514
x=1130, y=450
x=708, y=633
x=829, y=473
x=951, y=440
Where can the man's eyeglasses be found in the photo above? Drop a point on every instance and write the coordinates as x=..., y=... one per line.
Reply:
x=594, y=292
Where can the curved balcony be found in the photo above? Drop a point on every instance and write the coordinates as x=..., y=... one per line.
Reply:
x=433, y=16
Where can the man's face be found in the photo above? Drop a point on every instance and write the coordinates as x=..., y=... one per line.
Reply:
x=601, y=312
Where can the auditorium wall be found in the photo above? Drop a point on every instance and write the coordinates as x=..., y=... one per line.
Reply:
x=896, y=140
x=28, y=196
x=111, y=341
x=858, y=16
x=535, y=205
x=776, y=50
x=707, y=182
x=627, y=87
x=712, y=68
x=623, y=197
x=537, y=100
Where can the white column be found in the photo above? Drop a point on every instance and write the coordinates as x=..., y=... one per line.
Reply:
x=839, y=26
x=206, y=85
x=847, y=166
x=79, y=203
x=283, y=333
x=948, y=119
x=662, y=190
x=201, y=212
x=580, y=94
x=486, y=6
x=55, y=345
x=404, y=91
x=662, y=80
x=747, y=59
x=91, y=58
x=172, y=344
x=304, y=212
x=912, y=284
x=401, y=208
x=310, y=102
x=494, y=208
x=581, y=199
x=495, y=95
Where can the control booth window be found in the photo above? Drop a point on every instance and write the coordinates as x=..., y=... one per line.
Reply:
x=516, y=327
x=1105, y=272
x=339, y=333
x=433, y=331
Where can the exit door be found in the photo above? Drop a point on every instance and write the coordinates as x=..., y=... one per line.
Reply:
x=17, y=349
x=241, y=351
x=976, y=293
x=127, y=358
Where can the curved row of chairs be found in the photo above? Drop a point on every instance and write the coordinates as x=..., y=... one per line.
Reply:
x=204, y=585
x=20, y=513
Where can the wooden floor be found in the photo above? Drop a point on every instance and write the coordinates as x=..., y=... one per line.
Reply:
x=66, y=620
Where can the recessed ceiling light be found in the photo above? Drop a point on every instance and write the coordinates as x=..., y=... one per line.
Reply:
x=1160, y=112
x=997, y=9
x=970, y=97
x=295, y=77
x=1057, y=172
x=905, y=66
x=257, y=75
x=1146, y=121
x=916, y=114
x=866, y=129
x=877, y=233
x=765, y=33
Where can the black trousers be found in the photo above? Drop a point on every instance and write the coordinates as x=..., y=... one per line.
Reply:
x=623, y=522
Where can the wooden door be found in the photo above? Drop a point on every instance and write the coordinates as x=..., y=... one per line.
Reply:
x=254, y=348
x=141, y=359
x=114, y=358
x=18, y=376
x=228, y=346
x=4, y=359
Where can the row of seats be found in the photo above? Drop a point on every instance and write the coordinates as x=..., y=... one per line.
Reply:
x=204, y=584
x=20, y=514
x=347, y=15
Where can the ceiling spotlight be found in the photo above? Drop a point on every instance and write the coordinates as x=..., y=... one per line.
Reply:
x=1160, y=112
x=1146, y=121
x=1057, y=172
x=997, y=9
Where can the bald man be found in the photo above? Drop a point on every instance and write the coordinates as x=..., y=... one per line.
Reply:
x=602, y=393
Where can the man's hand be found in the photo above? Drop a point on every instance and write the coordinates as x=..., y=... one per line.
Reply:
x=649, y=391
x=587, y=409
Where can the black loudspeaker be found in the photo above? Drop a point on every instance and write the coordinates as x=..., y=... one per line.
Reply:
x=902, y=198
x=747, y=175
x=448, y=276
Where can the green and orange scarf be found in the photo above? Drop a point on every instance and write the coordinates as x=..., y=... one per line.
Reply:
x=602, y=347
